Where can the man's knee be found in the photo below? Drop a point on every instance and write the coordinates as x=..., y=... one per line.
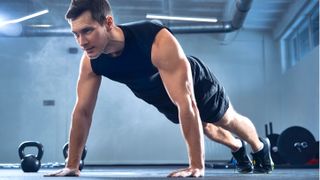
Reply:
x=228, y=118
x=206, y=127
x=209, y=129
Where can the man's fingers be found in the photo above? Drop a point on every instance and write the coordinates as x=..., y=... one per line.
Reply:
x=175, y=172
x=181, y=173
x=53, y=174
x=189, y=172
x=63, y=172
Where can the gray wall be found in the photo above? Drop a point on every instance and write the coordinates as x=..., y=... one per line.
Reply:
x=33, y=70
x=292, y=99
x=126, y=130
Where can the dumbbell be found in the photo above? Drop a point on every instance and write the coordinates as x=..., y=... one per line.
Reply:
x=30, y=162
x=83, y=156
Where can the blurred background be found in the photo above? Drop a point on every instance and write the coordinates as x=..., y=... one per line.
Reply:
x=269, y=67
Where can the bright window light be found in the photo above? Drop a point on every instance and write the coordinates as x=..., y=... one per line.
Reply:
x=3, y=23
x=40, y=25
x=177, y=18
x=3, y=18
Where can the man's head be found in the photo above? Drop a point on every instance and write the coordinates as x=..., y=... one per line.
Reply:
x=99, y=9
x=91, y=23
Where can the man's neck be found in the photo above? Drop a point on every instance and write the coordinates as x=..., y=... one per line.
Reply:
x=116, y=43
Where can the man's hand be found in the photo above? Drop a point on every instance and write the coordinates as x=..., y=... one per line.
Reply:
x=188, y=172
x=64, y=172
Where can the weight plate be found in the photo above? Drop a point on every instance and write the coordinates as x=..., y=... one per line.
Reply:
x=296, y=145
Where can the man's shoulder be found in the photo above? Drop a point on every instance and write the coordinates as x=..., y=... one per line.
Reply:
x=144, y=30
x=143, y=23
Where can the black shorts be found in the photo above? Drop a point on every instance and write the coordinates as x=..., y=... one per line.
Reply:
x=211, y=98
x=210, y=95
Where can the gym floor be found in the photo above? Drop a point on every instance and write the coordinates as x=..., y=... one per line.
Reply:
x=160, y=172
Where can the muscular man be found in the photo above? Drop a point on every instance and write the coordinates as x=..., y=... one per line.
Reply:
x=150, y=61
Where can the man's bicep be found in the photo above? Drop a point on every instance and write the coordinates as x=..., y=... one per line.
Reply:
x=178, y=83
x=174, y=68
x=87, y=88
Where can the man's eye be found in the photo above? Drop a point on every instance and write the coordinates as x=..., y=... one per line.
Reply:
x=87, y=30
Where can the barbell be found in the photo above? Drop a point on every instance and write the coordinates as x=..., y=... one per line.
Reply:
x=295, y=145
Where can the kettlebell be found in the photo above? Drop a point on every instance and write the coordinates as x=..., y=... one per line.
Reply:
x=83, y=156
x=30, y=162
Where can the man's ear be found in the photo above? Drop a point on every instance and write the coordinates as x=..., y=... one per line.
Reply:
x=109, y=23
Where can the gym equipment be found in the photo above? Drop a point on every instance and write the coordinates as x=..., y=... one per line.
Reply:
x=30, y=162
x=273, y=138
x=316, y=150
x=296, y=145
x=83, y=156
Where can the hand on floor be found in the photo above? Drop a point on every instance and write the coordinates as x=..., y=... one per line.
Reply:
x=64, y=172
x=188, y=172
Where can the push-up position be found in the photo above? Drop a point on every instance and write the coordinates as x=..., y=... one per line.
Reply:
x=150, y=61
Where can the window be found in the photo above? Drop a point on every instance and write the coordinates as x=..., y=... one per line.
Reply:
x=315, y=27
x=301, y=38
x=291, y=53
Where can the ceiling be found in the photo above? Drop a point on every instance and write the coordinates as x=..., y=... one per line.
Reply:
x=263, y=15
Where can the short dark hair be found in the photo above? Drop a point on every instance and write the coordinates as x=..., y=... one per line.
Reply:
x=99, y=9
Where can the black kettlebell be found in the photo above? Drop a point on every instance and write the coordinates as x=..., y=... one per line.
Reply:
x=83, y=156
x=30, y=162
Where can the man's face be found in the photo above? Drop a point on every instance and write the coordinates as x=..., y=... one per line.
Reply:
x=90, y=35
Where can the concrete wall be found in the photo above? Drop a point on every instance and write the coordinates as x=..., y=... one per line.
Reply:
x=33, y=70
x=293, y=97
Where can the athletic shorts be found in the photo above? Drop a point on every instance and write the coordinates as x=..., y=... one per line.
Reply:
x=212, y=100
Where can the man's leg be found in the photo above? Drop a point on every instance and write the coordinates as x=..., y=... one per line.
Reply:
x=245, y=130
x=220, y=135
x=240, y=126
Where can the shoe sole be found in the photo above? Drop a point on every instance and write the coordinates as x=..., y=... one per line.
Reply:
x=264, y=171
x=245, y=171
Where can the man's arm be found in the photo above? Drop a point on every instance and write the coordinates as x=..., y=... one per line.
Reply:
x=175, y=72
x=87, y=92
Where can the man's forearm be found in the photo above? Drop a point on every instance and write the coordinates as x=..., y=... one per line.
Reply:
x=193, y=134
x=78, y=135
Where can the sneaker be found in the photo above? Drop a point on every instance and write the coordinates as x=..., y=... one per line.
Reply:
x=243, y=164
x=262, y=160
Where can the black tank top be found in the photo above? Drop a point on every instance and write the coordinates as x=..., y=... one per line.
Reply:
x=134, y=67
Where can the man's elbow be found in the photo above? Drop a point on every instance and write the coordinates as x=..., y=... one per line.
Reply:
x=188, y=111
x=81, y=113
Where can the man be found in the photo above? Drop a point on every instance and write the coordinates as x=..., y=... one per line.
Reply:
x=149, y=60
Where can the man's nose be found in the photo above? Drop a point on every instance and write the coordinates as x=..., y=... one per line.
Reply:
x=82, y=41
